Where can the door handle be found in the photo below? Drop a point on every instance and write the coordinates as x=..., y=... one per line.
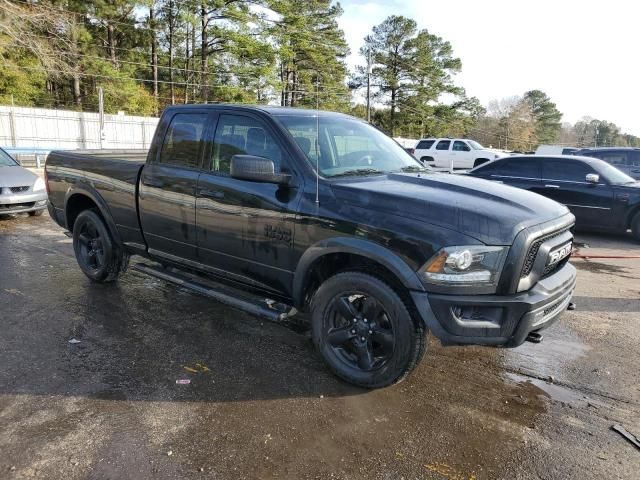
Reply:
x=551, y=186
x=212, y=193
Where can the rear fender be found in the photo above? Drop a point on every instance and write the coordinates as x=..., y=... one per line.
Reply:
x=103, y=208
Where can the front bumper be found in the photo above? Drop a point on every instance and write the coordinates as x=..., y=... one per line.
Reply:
x=21, y=203
x=499, y=320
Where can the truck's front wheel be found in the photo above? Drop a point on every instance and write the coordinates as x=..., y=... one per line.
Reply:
x=98, y=256
x=364, y=331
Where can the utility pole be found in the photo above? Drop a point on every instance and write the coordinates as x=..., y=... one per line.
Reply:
x=369, y=85
x=595, y=138
x=101, y=114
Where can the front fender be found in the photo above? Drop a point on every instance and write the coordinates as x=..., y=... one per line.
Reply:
x=355, y=246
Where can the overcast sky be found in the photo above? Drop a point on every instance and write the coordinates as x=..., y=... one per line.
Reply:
x=584, y=54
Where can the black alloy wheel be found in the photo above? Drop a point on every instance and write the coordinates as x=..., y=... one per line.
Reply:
x=361, y=334
x=364, y=331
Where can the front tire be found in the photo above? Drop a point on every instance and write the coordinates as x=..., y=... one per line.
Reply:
x=364, y=330
x=98, y=256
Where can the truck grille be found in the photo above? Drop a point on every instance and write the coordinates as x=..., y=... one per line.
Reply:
x=533, y=253
x=19, y=189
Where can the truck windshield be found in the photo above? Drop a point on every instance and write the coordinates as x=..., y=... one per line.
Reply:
x=475, y=145
x=6, y=160
x=347, y=146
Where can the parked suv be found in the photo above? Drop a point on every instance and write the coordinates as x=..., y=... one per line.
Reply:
x=454, y=153
x=599, y=195
x=625, y=159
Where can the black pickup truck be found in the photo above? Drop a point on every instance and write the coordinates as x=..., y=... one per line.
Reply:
x=322, y=214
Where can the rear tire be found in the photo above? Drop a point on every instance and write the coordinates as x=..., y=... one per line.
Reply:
x=427, y=160
x=635, y=226
x=36, y=213
x=480, y=161
x=364, y=331
x=98, y=256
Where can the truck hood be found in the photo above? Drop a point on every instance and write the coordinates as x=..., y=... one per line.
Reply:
x=16, y=176
x=487, y=211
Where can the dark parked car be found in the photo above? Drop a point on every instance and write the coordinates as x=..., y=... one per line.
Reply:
x=625, y=159
x=324, y=213
x=598, y=194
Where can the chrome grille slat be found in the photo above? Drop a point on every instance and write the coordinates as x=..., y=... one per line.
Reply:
x=19, y=189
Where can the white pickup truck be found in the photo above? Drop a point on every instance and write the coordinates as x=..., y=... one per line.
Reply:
x=454, y=153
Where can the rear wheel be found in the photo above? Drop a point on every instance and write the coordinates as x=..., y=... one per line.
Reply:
x=635, y=226
x=427, y=160
x=480, y=161
x=97, y=254
x=364, y=331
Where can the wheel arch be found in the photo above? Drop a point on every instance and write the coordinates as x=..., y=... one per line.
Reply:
x=79, y=199
x=632, y=215
x=331, y=256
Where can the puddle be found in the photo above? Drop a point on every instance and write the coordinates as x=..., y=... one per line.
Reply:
x=552, y=391
x=559, y=348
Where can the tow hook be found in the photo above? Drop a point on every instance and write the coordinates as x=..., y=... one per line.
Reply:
x=534, y=337
x=571, y=306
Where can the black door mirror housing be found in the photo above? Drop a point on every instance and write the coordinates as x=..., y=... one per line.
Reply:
x=257, y=169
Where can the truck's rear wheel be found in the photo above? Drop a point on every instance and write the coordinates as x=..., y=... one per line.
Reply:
x=97, y=255
x=480, y=161
x=364, y=331
x=427, y=160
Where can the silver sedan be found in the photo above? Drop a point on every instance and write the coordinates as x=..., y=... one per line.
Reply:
x=21, y=191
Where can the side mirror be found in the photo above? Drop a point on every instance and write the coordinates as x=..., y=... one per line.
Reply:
x=593, y=178
x=257, y=169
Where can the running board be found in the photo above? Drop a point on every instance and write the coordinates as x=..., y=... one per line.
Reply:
x=260, y=307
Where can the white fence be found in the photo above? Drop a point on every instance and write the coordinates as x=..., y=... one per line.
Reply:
x=22, y=127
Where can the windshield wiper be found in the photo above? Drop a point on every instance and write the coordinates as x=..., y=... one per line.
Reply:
x=414, y=168
x=358, y=172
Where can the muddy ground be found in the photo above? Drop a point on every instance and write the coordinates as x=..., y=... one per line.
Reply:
x=261, y=404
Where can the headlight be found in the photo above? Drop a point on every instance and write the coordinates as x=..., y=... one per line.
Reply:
x=39, y=185
x=474, y=265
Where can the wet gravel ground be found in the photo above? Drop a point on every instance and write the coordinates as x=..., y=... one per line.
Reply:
x=260, y=403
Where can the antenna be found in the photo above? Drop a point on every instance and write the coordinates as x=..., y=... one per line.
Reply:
x=317, y=138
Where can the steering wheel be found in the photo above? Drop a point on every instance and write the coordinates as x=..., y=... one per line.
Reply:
x=364, y=160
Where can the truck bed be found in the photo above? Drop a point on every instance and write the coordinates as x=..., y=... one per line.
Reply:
x=112, y=174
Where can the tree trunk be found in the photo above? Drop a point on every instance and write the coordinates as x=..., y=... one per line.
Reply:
x=111, y=44
x=171, y=27
x=154, y=53
x=392, y=119
x=193, y=61
x=187, y=75
x=204, y=50
x=77, y=92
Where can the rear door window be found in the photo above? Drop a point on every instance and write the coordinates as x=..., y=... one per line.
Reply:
x=443, y=145
x=513, y=167
x=566, y=171
x=424, y=144
x=182, y=145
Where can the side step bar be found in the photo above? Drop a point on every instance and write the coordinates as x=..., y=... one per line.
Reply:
x=267, y=309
